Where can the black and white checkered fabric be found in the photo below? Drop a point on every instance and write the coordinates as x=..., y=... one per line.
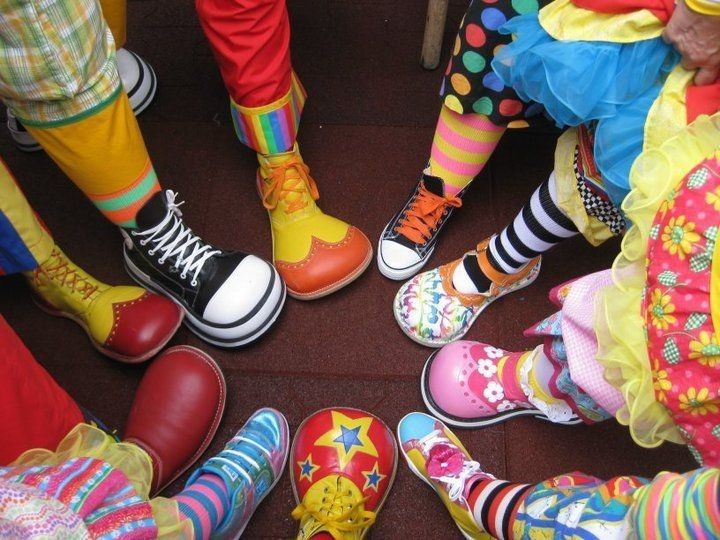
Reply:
x=596, y=203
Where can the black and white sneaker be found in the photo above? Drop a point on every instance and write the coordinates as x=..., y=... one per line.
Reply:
x=408, y=241
x=230, y=298
x=138, y=79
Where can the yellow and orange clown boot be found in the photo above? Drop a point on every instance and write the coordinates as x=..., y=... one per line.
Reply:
x=126, y=323
x=342, y=466
x=316, y=254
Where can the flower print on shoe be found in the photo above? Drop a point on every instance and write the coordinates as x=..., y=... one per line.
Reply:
x=432, y=312
x=471, y=384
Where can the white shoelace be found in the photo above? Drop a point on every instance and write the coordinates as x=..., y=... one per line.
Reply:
x=455, y=483
x=177, y=240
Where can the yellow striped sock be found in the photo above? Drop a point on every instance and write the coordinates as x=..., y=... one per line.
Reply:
x=462, y=145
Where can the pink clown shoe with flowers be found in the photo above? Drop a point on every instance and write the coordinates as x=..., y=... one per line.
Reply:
x=472, y=384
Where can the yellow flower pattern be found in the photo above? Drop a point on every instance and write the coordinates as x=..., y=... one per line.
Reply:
x=679, y=237
x=661, y=310
x=698, y=402
x=713, y=198
x=705, y=349
x=661, y=385
x=683, y=347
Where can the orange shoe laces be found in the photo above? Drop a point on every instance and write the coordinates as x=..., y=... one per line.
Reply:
x=57, y=268
x=422, y=217
x=277, y=187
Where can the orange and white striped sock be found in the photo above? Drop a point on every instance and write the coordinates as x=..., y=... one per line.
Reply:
x=462, y=145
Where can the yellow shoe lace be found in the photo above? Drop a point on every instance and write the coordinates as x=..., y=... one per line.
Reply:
x=59, y=269
x=338, y=512
x=290, y=188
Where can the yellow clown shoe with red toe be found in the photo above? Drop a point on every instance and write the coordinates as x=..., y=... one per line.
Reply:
x=342, y=466
x=128, y=324
x=315, y=254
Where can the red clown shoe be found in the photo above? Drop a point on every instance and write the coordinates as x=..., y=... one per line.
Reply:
x=342, y=465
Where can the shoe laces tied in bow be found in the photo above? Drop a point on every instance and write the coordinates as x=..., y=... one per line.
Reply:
x=288, y=182
x=339, y=511
x=421, y=218
x=447, y=464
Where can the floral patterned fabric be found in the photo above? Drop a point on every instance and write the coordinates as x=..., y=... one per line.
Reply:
x=682, y=344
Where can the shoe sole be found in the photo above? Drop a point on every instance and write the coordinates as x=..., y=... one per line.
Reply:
x=344, y=282
x=483, y=422
x=437, y=344
x=115, y=356
x=28, y=148
x=190, y=320
x=213, y=427
x=392, y=476
x=417, y=473
x=148, y=99
x=277, y=479
x=404, y=273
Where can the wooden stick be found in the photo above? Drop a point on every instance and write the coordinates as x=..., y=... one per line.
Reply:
x=434, y=31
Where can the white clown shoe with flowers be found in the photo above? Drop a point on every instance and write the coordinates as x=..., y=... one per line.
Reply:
x=432, y=312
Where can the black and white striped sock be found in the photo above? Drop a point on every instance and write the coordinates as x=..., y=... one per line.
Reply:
x=540, y=225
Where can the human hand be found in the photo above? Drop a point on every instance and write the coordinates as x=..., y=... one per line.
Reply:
x=697, y=38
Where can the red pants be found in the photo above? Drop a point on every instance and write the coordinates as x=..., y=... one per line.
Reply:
x=251, y=42
x=34, y=411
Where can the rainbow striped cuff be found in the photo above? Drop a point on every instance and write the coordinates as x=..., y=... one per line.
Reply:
x=271, y=129
x=122, y=206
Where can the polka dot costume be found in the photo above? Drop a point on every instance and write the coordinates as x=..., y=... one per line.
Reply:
x=470, y=85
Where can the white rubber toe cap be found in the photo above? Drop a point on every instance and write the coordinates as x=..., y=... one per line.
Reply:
x=242, y=293
x=398, y=262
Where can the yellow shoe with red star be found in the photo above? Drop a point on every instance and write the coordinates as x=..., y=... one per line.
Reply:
x=342, y=466
x=316, y=254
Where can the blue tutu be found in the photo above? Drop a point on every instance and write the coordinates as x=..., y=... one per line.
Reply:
x=579, y=82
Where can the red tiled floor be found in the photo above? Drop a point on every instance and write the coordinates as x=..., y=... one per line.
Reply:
x=366, y=133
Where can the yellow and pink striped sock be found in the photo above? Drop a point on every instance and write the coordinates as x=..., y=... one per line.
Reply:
x=462, y=145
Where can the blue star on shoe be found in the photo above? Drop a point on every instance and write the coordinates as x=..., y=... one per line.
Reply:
x=349, y=438
x=372, y=478
x=307, y=468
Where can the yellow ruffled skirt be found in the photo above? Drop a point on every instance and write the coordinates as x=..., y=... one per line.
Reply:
x=88, y=441
x=620, y=322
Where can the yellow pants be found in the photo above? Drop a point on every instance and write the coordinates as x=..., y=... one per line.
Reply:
x=115, y=13
x=58, y=75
